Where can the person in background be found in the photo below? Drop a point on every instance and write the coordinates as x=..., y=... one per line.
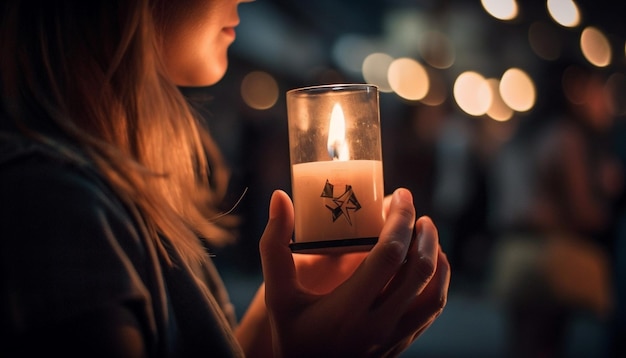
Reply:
x=109, y=189
x=555, y=188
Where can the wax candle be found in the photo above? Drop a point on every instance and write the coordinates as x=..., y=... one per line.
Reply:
x=337, y=171
x=338, y=200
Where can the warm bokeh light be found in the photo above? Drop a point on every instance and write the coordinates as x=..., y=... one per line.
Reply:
x=595, y=47
x=517, y=90
x=564, y=12
x=498, y=110
x=544, y=41
x=438, y=92
x=437, y=49
x=573, y=84
x=259, y=90
x=408, y=79
x=472, y=93
x=501, y=9
x=616, y=85
x=375, y=68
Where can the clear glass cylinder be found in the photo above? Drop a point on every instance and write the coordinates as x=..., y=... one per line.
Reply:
x=336, y=167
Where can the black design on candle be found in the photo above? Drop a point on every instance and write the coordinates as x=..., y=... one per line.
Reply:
x=341, y=205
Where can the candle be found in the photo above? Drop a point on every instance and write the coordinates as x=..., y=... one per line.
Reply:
x=338, y=200
x=337, y=171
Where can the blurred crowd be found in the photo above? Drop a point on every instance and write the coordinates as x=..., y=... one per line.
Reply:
x=531, y=212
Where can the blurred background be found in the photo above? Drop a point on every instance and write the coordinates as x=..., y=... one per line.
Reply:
x=506, y=120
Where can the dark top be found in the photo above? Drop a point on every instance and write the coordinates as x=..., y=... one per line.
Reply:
x=71, y=251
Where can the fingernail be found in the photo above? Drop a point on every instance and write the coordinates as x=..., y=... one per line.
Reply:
x=427, y=247
x=273, y=210
x=403, y=195
x=423, y=244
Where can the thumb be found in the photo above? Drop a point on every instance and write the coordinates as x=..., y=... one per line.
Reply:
x=277, y=262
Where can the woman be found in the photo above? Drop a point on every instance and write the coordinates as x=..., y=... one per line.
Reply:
x=109, y=188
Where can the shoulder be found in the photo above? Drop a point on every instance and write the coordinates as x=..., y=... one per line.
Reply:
x=43, y=195
x=36, y=180
x=37, y=176
x=67, y=244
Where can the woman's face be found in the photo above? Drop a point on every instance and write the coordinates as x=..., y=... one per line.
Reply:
x=196, y=35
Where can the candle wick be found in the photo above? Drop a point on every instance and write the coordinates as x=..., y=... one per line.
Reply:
x=334, y=149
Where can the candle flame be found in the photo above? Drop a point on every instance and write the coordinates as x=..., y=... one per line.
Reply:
x=337, y=146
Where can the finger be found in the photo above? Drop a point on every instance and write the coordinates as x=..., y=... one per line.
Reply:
x=429, y=304
x=415, y=273
x=388, y=254
x=424, y=309
x=277, y=262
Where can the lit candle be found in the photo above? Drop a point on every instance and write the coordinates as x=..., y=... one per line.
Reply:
x=338, y=195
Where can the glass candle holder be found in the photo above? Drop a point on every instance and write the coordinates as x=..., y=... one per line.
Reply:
x=336, y=167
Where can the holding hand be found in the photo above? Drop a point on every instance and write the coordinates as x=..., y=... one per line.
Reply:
x=393, y=295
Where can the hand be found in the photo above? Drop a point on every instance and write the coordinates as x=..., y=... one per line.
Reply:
x=323, y=273
x=386, y=302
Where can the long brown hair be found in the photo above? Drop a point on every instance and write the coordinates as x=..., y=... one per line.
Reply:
x=92, y=69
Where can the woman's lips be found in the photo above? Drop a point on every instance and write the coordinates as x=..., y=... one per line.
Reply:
x=229, y=31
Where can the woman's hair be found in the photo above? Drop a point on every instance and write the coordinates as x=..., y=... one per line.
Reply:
x=93, y=70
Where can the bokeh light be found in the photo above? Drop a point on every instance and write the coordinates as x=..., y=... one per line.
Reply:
x=544, y=41
x=595, y=47
x=498, y=110
x=572, y=84
x=564, y=12
x=259, y=90
x=408, y=79
x=517, y=90
x=501, y=9
x=616, y=85
x=437, y=49
x=437, y=92
x=472, y=93
x=375, y=68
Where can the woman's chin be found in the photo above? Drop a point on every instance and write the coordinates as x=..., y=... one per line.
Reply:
x=207, y=76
